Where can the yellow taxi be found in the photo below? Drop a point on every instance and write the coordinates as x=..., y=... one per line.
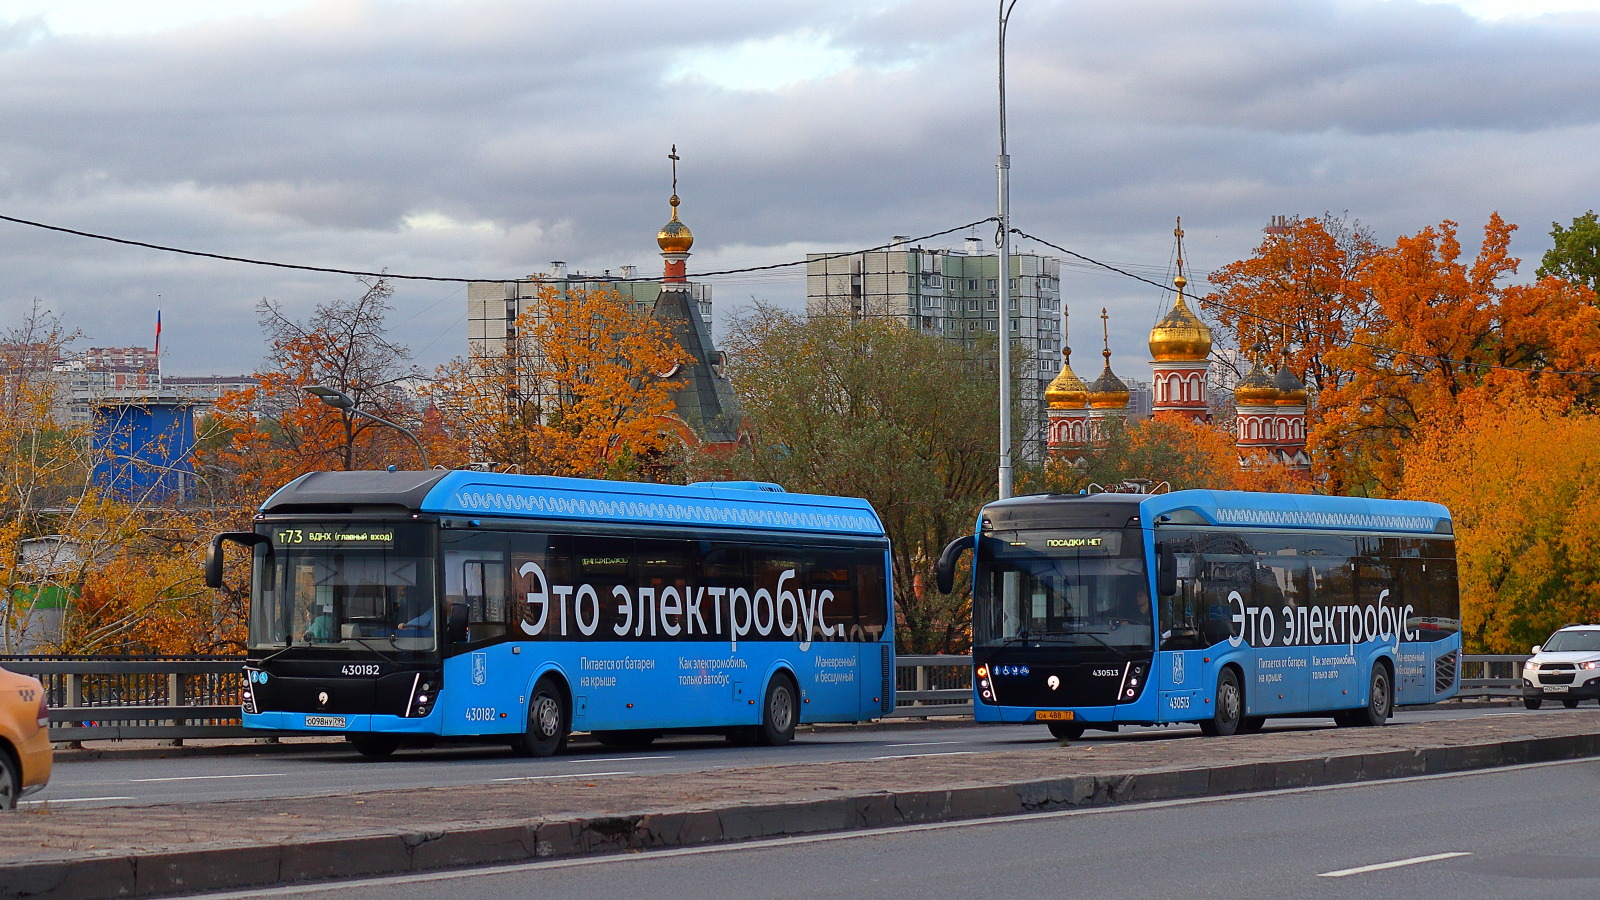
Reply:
x=24, y=737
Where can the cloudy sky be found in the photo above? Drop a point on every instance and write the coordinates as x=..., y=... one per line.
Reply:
x=485, y=138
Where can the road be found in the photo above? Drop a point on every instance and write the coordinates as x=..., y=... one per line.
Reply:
x=1488, y=834
x=337, y=770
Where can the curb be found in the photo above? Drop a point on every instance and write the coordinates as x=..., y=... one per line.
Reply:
x=403, y=852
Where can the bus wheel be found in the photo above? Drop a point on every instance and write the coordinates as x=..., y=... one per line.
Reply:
x=374, y=746
x=780, y=712
x=547, y=721
x=1066, y=731
x=1252, y=724
x=632, y=739
x=1532, y=702
x=1229, y=711
x=1380, y=702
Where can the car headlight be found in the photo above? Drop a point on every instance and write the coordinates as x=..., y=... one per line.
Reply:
x=1590, y=665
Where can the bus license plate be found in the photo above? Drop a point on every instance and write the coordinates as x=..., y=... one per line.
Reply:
x=1052, y=715
x=324, y=721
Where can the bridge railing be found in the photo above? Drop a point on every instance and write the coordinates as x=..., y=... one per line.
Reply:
x=98, y=698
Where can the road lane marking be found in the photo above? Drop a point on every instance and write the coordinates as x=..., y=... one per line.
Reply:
x=1379, y=867
x=552, y=777
x=923, y=755
x=205, y=777
x=73, y=800
x=925, y=744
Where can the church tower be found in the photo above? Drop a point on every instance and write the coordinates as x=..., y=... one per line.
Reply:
x=706, y=404
x=1180, y=353
x=1067, y=403
x=1108, y=396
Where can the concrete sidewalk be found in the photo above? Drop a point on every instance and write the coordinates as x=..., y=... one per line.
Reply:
x=151, y=851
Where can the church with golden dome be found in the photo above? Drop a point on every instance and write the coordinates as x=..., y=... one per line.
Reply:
x=1270, y=409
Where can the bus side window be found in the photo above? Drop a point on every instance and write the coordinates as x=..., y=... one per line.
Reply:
x=477, y=582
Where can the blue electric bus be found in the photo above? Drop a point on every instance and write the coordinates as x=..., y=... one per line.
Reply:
x=1223, y=608
x=407, y=607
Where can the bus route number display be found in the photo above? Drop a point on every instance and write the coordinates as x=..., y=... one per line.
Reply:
x=334, y=536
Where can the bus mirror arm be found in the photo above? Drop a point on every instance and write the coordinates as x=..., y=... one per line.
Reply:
x=945, y=573
x=214, y=552
x=1166, y=570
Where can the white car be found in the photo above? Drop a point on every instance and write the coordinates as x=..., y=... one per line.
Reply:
x=1565, y=668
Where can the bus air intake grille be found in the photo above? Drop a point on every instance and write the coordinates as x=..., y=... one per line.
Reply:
x=886, y=658
x=1446, y=672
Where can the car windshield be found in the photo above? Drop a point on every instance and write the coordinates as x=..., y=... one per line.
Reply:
x=1573, y=642
x=1086, y=589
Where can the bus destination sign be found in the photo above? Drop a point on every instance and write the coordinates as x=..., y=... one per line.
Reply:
x=344, y=536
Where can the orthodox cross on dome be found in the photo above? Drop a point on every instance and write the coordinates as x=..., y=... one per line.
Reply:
x=674, y=157
x=1105, y=334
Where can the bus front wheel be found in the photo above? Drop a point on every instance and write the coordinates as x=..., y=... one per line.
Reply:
x=548, y=721
x=374, y=746
x=1066, y=731
x=1229, y=711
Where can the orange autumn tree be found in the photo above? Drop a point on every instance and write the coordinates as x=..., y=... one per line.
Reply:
x=1444, y=328
x=1518, y=476
x=1300, y=296
x=585, y=389
x=264, y=436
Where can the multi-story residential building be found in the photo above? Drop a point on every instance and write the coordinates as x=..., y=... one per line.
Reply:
x=493, y=307
x=954, y=294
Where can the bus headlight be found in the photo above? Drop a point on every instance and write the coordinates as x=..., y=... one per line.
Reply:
x=423, y=696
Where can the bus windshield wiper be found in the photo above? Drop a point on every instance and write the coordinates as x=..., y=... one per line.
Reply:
x=374, y=648
x=1123, y=654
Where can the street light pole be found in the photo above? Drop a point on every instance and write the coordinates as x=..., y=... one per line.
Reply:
x=341, y=401
x=1003, y=173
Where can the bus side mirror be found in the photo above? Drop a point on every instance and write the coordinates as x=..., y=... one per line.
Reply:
x=945, y=572
x=214, y=552
x=458, y=623
x=1166, y=570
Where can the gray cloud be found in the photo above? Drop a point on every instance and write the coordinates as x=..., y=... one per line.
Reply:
x=487, y=138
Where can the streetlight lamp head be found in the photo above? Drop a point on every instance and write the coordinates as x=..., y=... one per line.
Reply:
x=334, y=398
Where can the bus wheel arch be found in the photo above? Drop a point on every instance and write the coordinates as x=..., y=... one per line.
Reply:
x=1227, y=707
x=549, y=717
x=780, y=709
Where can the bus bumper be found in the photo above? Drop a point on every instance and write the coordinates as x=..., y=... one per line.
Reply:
x=312, y=723
x=1012, y=715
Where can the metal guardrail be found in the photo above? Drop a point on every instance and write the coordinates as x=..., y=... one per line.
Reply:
x=173, y=699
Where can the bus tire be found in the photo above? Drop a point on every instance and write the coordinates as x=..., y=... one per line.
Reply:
x=1532, y=702
x=1066, y=731
x=548, y=721
x=780, y=712
x=630, y=739
x=1228, y=711
x=374, y=746
x=1252, y=724
x=1380, y=701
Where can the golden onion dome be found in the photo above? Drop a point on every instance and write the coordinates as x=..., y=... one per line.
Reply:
x=1291, y=390
x=1256, y=389
x=1067, y=390
x=1180, y=335
x=675, y=237
x=1108, y=391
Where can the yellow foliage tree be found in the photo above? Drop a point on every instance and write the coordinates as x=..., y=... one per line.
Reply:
x=585, y=390
x=1518, y=473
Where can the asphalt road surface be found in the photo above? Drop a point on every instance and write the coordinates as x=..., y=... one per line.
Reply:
x=338, y=770
x=1489, y=834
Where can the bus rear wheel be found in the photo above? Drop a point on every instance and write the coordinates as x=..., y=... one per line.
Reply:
x=374, y=746
x=780, y=713
x=1380, y=702
x=548, y=721
x=1066, y=731
x=1228, y=714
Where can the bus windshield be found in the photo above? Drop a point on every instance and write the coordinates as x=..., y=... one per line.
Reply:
x=344, y=589
x=1081, y=588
